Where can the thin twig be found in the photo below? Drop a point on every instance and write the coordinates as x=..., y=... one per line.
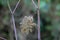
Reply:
x=3, y=38
x=12, y=12
x=14, y=26
x=9, y=7
x=16, y=6
x=34, y=4
x=38, y=14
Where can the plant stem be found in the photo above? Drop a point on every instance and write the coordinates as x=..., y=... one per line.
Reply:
x=38, y=14
x=14, y=26
x=12, y=12
x=3, y=38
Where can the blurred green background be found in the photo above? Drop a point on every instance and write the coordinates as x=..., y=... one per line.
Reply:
x=49, y=17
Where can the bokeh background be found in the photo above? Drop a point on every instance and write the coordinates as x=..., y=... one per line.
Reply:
x=49, y=17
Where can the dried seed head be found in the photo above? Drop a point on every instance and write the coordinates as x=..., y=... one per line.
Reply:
x=27, y=24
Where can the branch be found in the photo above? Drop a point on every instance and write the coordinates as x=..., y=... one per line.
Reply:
x=14, y=8
x=34, y=4
x=12, y=12
x=2, y=38
x=9, y=6
x=38, y=14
